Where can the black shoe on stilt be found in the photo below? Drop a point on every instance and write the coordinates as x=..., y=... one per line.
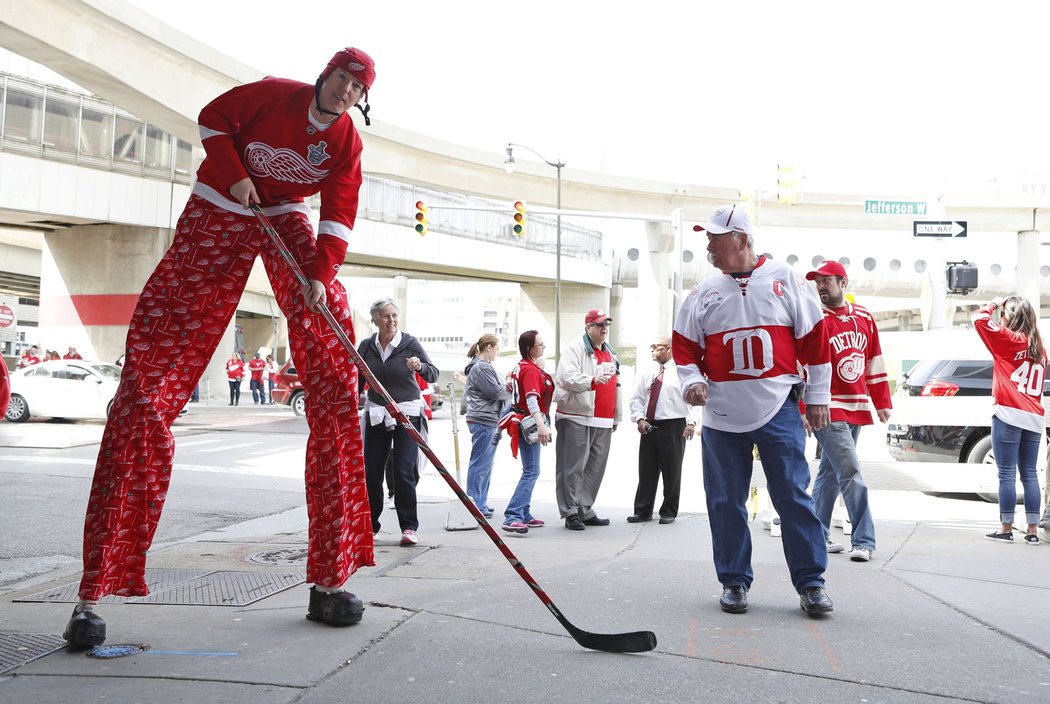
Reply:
x=85, y=629
x=337, y=609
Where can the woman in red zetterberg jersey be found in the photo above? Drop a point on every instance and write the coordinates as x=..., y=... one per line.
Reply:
x=273, y=142
x=1019, y=360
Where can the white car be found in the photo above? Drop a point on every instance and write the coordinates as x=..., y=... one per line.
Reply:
x=64, y=388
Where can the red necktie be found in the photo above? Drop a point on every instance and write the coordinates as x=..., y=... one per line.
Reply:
x=654, y=395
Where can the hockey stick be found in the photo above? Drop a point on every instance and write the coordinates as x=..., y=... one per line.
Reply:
x=633, y=642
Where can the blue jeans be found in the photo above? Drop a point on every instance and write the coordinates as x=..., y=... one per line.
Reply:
x=479, y=471
x=1016, y=451
x=727, y=462
x=518, y=509
x=840, y=472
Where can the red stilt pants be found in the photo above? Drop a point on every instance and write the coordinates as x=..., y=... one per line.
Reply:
x=181, y=315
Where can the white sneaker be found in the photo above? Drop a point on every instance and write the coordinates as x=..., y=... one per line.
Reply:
x=860, y=554
x=835, y=547
x=774, y=527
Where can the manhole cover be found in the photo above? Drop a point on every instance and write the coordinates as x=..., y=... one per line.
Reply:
x=282, y=556
x=105, y=652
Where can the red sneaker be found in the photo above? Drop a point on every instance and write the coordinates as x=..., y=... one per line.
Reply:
x=536, y=523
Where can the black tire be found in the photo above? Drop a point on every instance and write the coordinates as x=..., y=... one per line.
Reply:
x=298, y=403
x=981, y=452
x=18, y=410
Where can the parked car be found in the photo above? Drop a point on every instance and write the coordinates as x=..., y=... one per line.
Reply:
x=943, y=413
x=63, y=389
x=288, y=390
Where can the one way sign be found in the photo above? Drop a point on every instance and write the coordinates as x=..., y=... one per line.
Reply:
x=934, y=228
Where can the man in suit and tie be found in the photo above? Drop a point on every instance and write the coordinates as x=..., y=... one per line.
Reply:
x=665, y=422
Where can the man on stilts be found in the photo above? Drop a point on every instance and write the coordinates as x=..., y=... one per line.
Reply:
x=273, y=142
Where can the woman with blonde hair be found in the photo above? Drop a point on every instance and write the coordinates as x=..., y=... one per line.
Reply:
x=485, y=394
x=1019, y=367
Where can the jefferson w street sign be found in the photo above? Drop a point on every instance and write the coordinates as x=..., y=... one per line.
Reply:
x=932, y=228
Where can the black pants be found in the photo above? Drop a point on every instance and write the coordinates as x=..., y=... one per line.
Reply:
x=660, y=454
x=235, y=391
x=379, y=444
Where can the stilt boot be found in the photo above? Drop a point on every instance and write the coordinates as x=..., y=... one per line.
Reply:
x=336, y=609
x=85, y=629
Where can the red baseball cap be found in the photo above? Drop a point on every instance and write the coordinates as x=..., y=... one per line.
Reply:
x=828, y=268
x=596, y=315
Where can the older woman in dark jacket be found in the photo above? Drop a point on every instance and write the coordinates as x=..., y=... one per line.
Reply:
x=394, y=357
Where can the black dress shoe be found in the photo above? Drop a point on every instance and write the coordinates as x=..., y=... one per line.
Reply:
x=573, y=522
x=734, y=600
x=815, y=601
x=335, y=609
x=596, y=521
x=664, y=520
x=638, y=519
x=85, y=630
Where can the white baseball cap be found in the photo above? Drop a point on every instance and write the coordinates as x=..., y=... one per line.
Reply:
x=728, y=218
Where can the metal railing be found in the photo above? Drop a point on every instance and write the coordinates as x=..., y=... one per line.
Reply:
x=48, y=122
x=45, y=121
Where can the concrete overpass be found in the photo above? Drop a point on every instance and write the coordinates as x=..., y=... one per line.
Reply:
x=118, y=52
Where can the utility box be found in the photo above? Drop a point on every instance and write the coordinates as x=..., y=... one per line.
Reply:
x=962, y=277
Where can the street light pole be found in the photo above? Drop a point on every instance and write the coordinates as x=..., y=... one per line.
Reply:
x=509, y=165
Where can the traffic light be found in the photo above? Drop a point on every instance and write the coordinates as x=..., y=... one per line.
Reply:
x=961, y=277
x=421, y=217
x=786, y=186
x=520, y=217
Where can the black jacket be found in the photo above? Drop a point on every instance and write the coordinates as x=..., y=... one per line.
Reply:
x=394, y=374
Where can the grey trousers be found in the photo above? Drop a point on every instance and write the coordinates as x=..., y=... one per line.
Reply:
x=582, y=453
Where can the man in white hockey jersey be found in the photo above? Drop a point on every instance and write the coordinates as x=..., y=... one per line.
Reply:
x=742, y=340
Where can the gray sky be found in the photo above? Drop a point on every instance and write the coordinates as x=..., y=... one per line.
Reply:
x=904, y=98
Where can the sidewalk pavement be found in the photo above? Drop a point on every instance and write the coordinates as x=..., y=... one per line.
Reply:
x=938, y=615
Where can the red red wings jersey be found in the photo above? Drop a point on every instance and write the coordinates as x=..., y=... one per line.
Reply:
x=234, y=369
x=1017, y=381
x=857, y=368
x=264, y=130
x=748, y=341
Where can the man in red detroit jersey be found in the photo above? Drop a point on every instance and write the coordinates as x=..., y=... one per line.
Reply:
x=857, y=372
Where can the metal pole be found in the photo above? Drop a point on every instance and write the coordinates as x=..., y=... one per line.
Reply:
x=557, y=277
x=678, y=223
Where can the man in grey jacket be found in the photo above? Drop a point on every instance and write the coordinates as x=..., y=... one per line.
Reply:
x=587, y=391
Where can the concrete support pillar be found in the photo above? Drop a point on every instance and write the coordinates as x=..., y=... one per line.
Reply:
x=536, y=311
x=655, y=294
x=401, y=298
x=1028, y=257
x=616, y=311
x=90, y=280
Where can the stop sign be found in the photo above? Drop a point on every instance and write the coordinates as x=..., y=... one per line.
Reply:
x=7, y=316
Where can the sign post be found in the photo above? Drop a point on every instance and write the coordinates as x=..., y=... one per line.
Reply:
x=935, y=228
x=8, y=320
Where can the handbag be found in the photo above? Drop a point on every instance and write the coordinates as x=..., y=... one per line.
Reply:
x=529, y=430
